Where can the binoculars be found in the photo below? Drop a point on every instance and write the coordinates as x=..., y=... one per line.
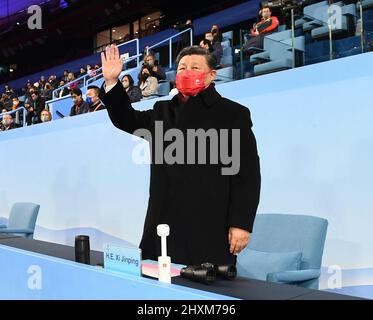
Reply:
x=207, y=272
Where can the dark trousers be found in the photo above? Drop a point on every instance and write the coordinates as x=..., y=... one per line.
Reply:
x=253, y=42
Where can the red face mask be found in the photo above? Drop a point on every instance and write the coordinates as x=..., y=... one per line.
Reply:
x=190, y=82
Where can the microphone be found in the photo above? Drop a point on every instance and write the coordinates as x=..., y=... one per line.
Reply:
x=164, y=261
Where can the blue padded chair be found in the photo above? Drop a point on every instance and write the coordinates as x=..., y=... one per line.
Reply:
x=278, y=233
x=346, y=11
x=280, y=55
x=22, y=219
x=163, y=88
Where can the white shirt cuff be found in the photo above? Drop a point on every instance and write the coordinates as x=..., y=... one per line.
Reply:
x=109, y=87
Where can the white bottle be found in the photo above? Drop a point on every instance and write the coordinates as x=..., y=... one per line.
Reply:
x=164, y=262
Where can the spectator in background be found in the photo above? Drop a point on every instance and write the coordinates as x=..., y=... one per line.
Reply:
x=206, y=44
x=154, y=68
x=36, y=106
x=147, y=84
x=80, y=106
x=5, y=102
x=45, y=116
x=8, y=123
x=8, y=90
x=82, y=73
x=90, y=70
x=134, y=93
x=93, y=100
x=42, y=82
x=73, y=84
x=217, y=49
x=185, y=37
x=53, y=81
x=267, y=25
x=215, y=31
x=47, y=91
x=65, y=76
x=16, y=103
x=64, y=91
x=37, y=86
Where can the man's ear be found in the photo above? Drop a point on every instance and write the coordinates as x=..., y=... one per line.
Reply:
x=213, y=75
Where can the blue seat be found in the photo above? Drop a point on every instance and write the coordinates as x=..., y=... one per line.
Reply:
x=227, y=57
x=171, y=75
x=280, y=233
x=280, y=56
x=310, y=13
x=22, y=219
x=345, y=12
x=225, y=74
x=163, y=88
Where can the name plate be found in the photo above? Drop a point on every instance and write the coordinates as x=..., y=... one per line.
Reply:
x=122, y=259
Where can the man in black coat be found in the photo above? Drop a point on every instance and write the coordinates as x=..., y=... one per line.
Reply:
x=210, y=213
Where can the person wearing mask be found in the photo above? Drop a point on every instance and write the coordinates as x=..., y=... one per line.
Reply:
x=7, y=123
x=267, y=25
x=47, y=92
x=215, y=31
x=133, y=91
x=62, y=92
x=16, y=103
x=206, y=44
x=42, y=82
x=93, y=100
x=155, y=69
x=147, y=84
x=65, y=76
x=210, y=214
x=82, y=73
x=53, y=81
x=90, y=71
x=36, y=106
x=45, y=116
x=70, y=79
x=217, y=49
x=80, y=106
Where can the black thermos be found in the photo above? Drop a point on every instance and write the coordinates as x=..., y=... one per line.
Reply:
x=82, y=249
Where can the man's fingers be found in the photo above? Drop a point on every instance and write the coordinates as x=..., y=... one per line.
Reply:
x=116, y=53
x=107, y=51
x=233, y=245
x=237, y=247
x=229, y=237
x=103, y=58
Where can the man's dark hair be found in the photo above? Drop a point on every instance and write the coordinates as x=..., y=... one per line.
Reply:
x=196, y=50
x=130, y=79
x=266, y=7
x=76, y=91
x=95, y=88
x=35, y=93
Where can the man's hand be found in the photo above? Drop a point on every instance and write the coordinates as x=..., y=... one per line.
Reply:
x=145, y=71
x=238, y=239
x=112, y=64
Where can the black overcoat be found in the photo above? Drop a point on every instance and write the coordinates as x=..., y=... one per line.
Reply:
x=195, y=200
